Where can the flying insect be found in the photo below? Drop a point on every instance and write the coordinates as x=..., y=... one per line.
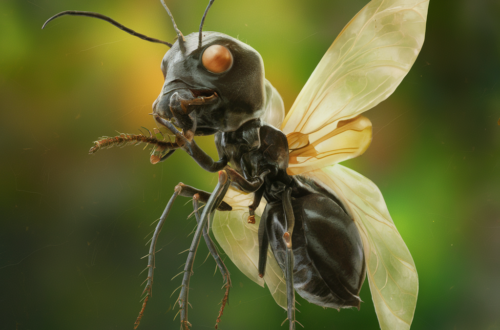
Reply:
x=284, y=210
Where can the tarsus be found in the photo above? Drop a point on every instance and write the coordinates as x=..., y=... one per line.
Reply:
x=124, y=139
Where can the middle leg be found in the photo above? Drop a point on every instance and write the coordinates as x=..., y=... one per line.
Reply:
x=202, y=196
x=215, y=198
x=213, y=251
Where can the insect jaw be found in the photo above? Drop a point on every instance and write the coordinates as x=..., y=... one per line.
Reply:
x=184, y=107
x=203, y=93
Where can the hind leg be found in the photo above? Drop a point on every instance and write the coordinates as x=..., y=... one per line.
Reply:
x=289, y=261
x=283, y=210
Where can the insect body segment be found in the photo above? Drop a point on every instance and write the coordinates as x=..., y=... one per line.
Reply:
x=284, y=211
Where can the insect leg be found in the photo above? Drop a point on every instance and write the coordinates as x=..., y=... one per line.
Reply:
x=247, y=185
x=256, y=202
x=213, y=251
x=216, y=197
x=189, y=145
x=167, y=155
x=263, y=245
x=151, y=256
x=290, y=222
x=203, y=196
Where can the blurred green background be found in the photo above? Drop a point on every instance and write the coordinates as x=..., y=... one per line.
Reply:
x=73, y=226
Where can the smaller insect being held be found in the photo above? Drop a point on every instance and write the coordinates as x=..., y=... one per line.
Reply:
x=284, y=211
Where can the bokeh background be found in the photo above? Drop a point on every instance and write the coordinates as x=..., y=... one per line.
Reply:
x=73, y=226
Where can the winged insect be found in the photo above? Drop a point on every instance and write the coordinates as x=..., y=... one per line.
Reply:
x=280, y=184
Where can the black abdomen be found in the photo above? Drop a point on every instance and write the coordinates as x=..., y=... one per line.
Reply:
x=329, y=265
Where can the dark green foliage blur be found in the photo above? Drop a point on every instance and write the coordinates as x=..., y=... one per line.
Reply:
x=73, y=226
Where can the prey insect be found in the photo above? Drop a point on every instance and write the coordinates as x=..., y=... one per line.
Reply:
x=284, y=210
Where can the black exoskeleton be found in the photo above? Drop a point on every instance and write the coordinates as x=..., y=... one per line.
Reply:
x=215, y=84
x=325, y=239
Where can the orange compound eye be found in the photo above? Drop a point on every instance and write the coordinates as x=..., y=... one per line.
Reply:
x=217, y=59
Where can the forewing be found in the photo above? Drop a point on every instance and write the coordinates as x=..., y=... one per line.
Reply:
x=363, y=66
x=239, y=240
x=390, y=268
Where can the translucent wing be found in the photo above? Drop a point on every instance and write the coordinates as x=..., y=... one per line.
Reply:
x=239, y=240
x=274, y=109
x=390, y=268
x=362, y=68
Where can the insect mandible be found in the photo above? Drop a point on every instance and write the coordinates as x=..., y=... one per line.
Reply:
x=280, y=184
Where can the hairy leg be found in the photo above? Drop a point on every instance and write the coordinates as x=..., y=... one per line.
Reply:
x=148, y=290
x=213, y=251
x=202, y=196
x=215, y=199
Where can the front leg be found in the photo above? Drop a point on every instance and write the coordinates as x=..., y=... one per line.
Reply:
x=185, y=141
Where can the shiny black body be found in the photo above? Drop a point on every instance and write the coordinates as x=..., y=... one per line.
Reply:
x=323, y=253
x=241, y=90
x=314, y=240
x=329, y=265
